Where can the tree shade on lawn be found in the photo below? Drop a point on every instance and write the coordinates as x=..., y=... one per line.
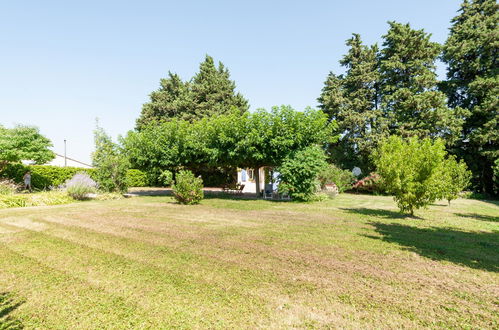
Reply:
x=350, y=262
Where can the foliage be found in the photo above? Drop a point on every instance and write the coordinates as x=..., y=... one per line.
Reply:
x=8, y=187
x=136, y=178
x=370, y=184
x=188, y=189
x=352, y=100
x=210, y=92
x=23, y=143
x=321, y=196
x=110, y=162
x=415, y=171
x=80, y=185
x=166, y=178
x=232, y=140
x=473, y=83
x=343, y=179
x=213, y=92
x=37, y=199
x=43, y=176
x=299, y=171
x=411, y=103
x=457, y=178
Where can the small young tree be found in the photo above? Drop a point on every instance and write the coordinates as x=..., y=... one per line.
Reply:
x=456, y=178
x=415, y=171
x=299, y=171
x=111, y=163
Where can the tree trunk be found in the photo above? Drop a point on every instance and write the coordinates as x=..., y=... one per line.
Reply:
x=257, y=181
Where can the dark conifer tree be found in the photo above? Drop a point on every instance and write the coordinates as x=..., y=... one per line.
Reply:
x=208, y=93
x=352, y=100
x=471, y=53
x=411, y=103
x=213, y=92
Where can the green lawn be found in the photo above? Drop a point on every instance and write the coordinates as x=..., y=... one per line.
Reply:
x=351, y=262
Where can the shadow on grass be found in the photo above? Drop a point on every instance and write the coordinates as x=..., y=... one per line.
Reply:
x=477, y=216
x=379, y=213
x=207, y=195
x=8, y=304
x=472, y=249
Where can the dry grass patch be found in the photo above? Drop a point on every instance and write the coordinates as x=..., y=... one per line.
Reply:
x=351, y=262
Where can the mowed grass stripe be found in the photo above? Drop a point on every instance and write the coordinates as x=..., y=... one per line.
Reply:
x=304, y=265
x=294, y=294
x=180, y=297
x=302, y=284
x=52, y=298
x=289, y=313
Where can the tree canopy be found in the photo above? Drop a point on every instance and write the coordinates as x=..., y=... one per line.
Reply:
x=388, y=91
x=410, y=100
x=352, y=100
x=471, y=52
x=417, y=171
x=209, y=92
x=24, y=143
x=244, y=140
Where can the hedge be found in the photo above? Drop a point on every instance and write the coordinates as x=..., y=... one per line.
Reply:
x=46, y=176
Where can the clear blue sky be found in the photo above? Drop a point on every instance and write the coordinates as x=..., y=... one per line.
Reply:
x=64, y=63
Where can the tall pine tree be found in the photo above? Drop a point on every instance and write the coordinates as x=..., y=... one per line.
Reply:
x=473, y=83
x=172, y=99
x=213, y=92
x=411, y=103
x=208, y=93
x=352, y=100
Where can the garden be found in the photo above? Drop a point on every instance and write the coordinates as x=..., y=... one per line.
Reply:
x=379, y=209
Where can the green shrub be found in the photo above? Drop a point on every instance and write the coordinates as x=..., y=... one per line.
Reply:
x=299, y=171
x=188, y=189
x=136, y=178
x=343, y=179
x=80, y=185
x=43, y=176
x=457, y=178
x=416, y=171
x=165, y=178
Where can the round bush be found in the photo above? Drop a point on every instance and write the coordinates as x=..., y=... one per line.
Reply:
x=331, y=174
x=187, y=188
x=136, y=178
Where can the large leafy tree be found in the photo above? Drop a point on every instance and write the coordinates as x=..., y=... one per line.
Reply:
x=352, y=100
x=411, y=103
x=23, y=143
x=471, y=53
x=262, y=138
x=208, y=93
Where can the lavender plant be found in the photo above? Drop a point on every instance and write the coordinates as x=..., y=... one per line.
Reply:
x=80, y=185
